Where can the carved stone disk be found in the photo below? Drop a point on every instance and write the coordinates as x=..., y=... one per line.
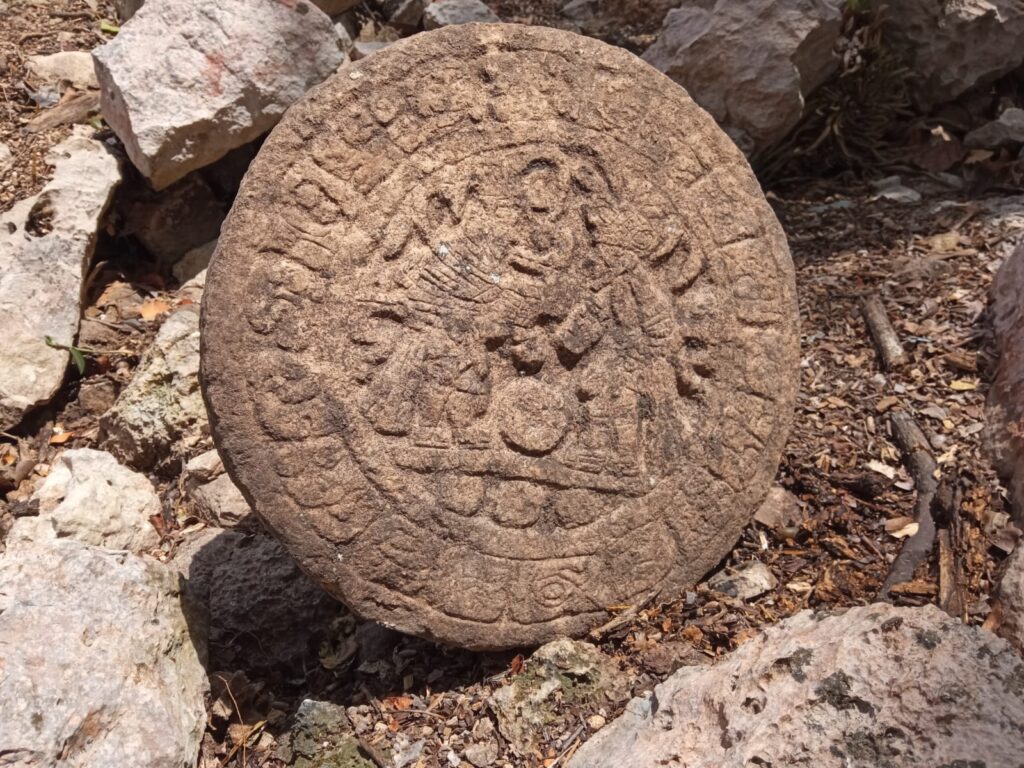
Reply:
x=500, y=332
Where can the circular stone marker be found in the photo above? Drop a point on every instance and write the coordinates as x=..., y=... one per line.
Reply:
x=500, y=332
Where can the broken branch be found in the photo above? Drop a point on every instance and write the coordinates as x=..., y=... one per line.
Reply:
x=922, y=467
x=887, y=343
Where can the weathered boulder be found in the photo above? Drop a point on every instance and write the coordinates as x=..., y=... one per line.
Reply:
x=265, y=613
x=563, y=672
x=751, y=65
x=186, y=81
x=100, y=664
x=953, y=46
x=1008, y=128
x=498, y=382
x=444, y=13
x=221, y=502
x=1011, y=600
x=160, y=415
x=88, y=496
x=127, y=8
x=1004, y=409
x=46, y=243
x=48, y=74
x=877, y=685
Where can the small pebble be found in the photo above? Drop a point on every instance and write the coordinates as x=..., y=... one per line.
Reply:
x=596, y=722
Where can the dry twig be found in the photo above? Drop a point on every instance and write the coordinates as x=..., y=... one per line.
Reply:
x=890, y=351
x=922, y=467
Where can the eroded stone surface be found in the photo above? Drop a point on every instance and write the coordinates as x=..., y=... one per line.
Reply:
x=875, y=686
x=500, y=332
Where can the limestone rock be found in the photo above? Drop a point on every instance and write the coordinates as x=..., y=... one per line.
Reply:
x=321, y=737
x=1011, y=600
x=160, y=415
x=202, y=469
x=877, y=685
x=46, y=243
x=186, y=81
x=88, y=496
x=1004, y=409
x=194, y=261
x=221, y=502
x=264, y=612
x=563, y=671
x=49, y=74
x=953, y=46
x=170, y=223
x=751, y=65
x=746, y=582
x=500, y=382
x=98, y=662
x=443, y=13
x=1007, y=129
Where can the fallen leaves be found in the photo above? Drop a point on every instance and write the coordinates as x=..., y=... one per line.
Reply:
x=151, y=309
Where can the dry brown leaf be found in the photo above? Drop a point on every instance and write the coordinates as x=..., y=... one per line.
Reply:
x=151, y=309
x=59, y=438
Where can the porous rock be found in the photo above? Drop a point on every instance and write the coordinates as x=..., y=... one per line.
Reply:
x=321, y=737
x=186, y=81
x=88, y=496
x=1004, y=408
x=561, y=672
x=751, y=65
x=160, y=415
x=953, y=46
x=877, y=685
x=100, y=664
x=501, y=381
x=443, y=13
x=46, y=243
x=264, y=612
x=1011, y=600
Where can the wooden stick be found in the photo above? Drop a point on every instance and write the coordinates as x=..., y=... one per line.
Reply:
x=922, y=466
x=887, y=343
x=950, y=599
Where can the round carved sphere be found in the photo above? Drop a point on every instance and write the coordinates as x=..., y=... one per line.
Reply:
x=500, y=332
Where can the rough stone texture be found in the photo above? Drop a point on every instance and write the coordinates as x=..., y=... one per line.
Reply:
x=876, y=686
x=264, y=612
x=99, y=665
x=172, y=222
x=1007, y=129
x=194, y=262
x=604, y=17
x=746, y=582
x=1011, y=600
x=88, y=496
x=1004, y=409
x=186, y=81
x=321, y=737
x=561, y=671
x=750, y=64
x=221, y=502
x=513, y=340
x=955, y=44
x=5, y=157
x=160, y=415
x=46, y=243
x=128, y=8
x=72, y=67
x=444, y=13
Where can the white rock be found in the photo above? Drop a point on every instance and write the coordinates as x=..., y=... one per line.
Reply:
x=1011, y=600
x=88, y=496
x=74, y=67
x=99, y=666
x=46, y=243
x=1008, y=129
x=193, y=262
x=6, y=157
x=746, y=582
x=221, y=502
x=779, y=509
x=186, y=81
x=877, y=685
x=750, y=64
x=955, y=45
x=160, y=415
x=202, y=469
x=444, y=13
